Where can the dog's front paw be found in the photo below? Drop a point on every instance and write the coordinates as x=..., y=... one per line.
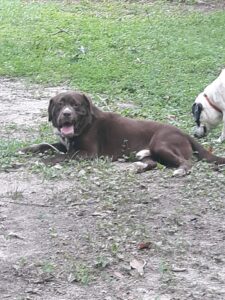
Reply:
x=30, y=149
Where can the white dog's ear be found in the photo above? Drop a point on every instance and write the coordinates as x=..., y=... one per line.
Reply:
x=197, y=108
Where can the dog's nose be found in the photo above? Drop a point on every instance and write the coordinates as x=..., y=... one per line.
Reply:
x=67, y=112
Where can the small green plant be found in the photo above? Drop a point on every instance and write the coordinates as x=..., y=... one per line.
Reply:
x=48, y=267
x=15, y=195
x=101, y=262
x=164, y=268
x=81, y=273
x=114, y=248
x=9, y=156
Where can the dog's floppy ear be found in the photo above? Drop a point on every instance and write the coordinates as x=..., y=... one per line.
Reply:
x=89, y=103
x=196, y=111
x=50, y=109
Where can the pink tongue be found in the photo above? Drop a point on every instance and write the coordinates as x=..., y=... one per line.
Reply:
x=67, y=130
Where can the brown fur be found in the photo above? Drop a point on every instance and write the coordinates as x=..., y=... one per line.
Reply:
x=98, y=133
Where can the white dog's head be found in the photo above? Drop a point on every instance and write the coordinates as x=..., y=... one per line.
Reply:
x=205, y=115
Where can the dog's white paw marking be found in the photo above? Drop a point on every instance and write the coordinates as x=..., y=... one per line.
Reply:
x=180, y=172
x=140, y=166
x=142, y=154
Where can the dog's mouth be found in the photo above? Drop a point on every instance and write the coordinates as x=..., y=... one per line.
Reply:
x=67, y=130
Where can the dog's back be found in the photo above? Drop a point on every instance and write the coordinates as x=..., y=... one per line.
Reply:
x=216, y=90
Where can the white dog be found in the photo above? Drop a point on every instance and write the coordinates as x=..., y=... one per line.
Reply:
x=209, y=108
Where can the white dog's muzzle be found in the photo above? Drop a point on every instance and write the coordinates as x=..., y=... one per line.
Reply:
x=200, y=131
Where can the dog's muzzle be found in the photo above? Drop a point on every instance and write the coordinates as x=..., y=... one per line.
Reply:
x=200, y=131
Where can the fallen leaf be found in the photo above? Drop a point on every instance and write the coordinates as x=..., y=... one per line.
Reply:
x=138, y=265
x=118, y=275
x=71, y=278
x=175, y=269
x=144, y=245
x=210, y=149
x=15, y=235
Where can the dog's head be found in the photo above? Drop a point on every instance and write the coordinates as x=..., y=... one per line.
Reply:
x=200, y=129
x=70, y=113
x=205, y=115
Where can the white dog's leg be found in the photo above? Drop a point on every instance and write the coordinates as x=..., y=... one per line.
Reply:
x=222, y=137
x=142, y=154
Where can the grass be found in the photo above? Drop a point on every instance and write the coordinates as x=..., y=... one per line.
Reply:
x=156, y=56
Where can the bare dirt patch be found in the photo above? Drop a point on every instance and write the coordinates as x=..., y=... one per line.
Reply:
x=207, y=5
x=75, y=231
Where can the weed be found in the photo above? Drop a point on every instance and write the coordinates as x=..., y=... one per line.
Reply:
x=164, y=268
x=101, y=262
x=81, y=273
x=47, y=267
x=9, y=152
x=16, y=195
x=114, y=248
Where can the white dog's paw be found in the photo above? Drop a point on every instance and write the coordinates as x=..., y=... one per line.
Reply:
x=142, y=154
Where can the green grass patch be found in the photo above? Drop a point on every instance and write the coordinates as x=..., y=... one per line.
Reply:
x=9, y=153
x=152, y=54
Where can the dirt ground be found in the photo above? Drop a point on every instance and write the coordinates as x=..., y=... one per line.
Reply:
x=77, y=231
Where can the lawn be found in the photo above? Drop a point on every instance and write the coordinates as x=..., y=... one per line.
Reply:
x=155, y=55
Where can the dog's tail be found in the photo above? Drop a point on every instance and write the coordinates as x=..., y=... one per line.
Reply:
x=203, y=154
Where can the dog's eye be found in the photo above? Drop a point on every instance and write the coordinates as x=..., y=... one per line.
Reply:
x=82, y=112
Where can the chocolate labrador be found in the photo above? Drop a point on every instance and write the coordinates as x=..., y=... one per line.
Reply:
x=87, y=132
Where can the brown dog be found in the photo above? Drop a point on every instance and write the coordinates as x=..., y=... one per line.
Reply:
x=88, y=132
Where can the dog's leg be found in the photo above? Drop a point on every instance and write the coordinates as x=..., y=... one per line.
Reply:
x=143, y=153
x=146, y=164
x=170, y=158
x=222, y=137
x=183, y=169
x=41, y=148
x=82, y=154
x=55, y=159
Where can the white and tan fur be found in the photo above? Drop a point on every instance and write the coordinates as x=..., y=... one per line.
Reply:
x=209, y=116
